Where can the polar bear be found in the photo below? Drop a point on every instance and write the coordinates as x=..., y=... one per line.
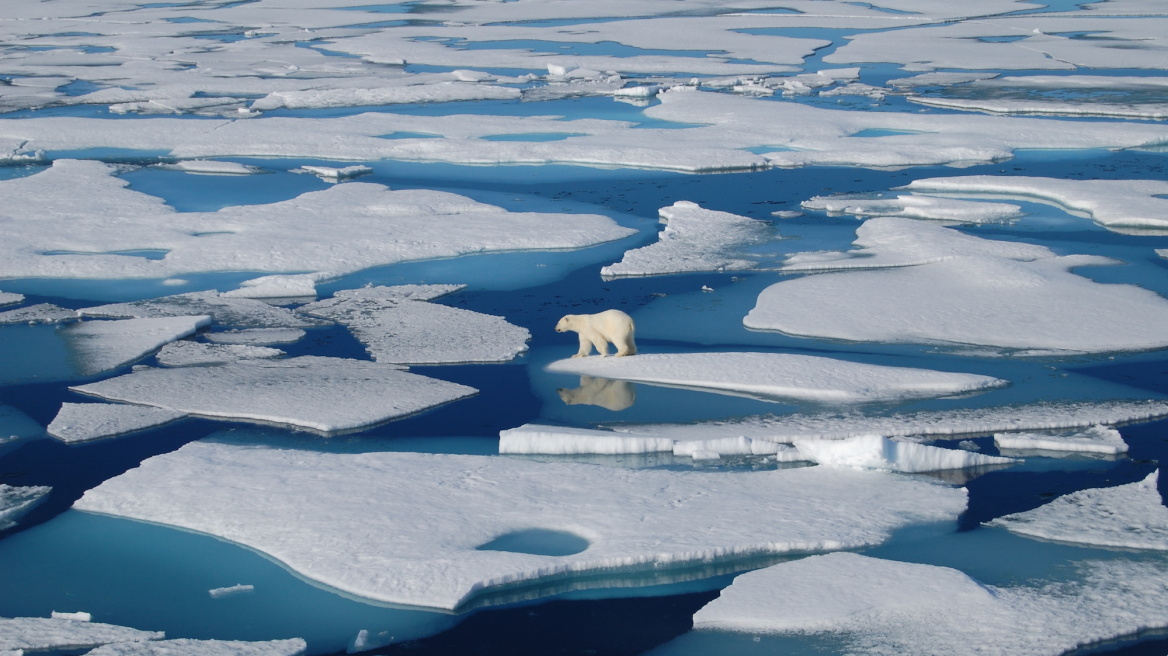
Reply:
x=599, y=329
x=615, y=395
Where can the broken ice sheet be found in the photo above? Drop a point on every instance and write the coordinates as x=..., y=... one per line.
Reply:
x=1129, y=516
x=225, y=310
x=192, y=647
x=881, y=453
x=39, y=633
x=779, y=376
x=81, y=422
x=15, y=501
x=916, y=207
x=276, y=287
x=186, y=353
x=325, y=395
x=256, y=336
x=99, y=345
x=397, y=325
x=1093, y=440
x=10, y=298
x=361, y=533
x=1025, y=296
x=39, y=313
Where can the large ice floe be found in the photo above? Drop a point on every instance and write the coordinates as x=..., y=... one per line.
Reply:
x=398, y=325
x=876, y=606
x=81, y=422
x=70, y=236
x=100, y=346
x=1096, y=439
x=779, y=376
x=326, y=395
x=694, y=239
x=43, y=633
x=909, y=281
x=359, y=530
x=1129, y=516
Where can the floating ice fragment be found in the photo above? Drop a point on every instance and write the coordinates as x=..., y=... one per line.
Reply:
x=359, y=530
x=80, y=422
x=332, y=174
x=1128, y=516
x=278, y=287
x=916, y=207
x=210, y=167
x=256, y=336
x=559, y=440
x=877, y=452
x=39, y=313
x=225, y=310
x=15, y=501
x=191, y=647
x=103, y=345
x=388, y=95
x=1096, y=439
x=10, y=298
x=186, y=353
x=779, y=376
x=326, y=395
x=37, y=633
x=80, y=616
x=230, y=591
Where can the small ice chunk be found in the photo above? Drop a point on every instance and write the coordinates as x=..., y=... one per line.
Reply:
x=103, y=345
x=916, y=207
x=81, y=422
x=210, y=167
x=186, y=353
x=39, y=313
x=257, y=336
x=39, y=633
x=79, y=616
x=779, y=376
x=1096, y=439
x=881, y=453
x=230, y=591
x=226, y=311
x=365, y=641
x=15, y=501
x=191, y=647
x=1128, y=516
x=332, y=174
x=10, y=298
x=327, y=395
x=279, y=286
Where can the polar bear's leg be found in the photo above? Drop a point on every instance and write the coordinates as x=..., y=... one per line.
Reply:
x=585, y=346
x=625, y=346
x=600, y=343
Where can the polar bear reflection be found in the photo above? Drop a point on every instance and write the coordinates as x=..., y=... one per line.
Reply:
x=615, y=395
x=599, y=329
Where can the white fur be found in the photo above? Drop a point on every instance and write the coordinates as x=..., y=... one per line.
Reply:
x=599, y=329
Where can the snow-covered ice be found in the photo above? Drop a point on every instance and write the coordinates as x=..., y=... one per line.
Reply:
x=210, y=167
x=916, y=207
x=186, y=353
x=100, y=345
x=406, y=527
x=81, y=422
x=256, y=336
x=881, y=453
x=334, y=174
x=191, y=647
x=39, y=313
x=779, y=376
x=10, y=298
x=935, y=280
x=225, y=310
x=1095, y=439
x=1128, y=516
x=879, y=606
x=694, y=239
x=301, y=286
x=41, y=633
x=397, y=325
x=327, y=395
x=562, y=440
x=15, y=501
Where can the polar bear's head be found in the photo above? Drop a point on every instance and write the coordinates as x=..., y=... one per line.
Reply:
x=565, y=324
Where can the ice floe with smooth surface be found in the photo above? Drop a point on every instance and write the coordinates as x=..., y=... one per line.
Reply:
x=1040, y=107
x=1024, y=297
x=916, y=207
x=225, y=310
x=210, y=167
x=10, y=298
x=1096, y=439
x=358, y=528
x=42, y=633
x=879, y=606
x=334, y=174
x=881, y=453
x=1111, y=203
x=398, y=325
x=256, y=336
x=192, y=647
x=1089, y=95
x=276, y=287
x=101, y=345
x=81, y=422
x=326, y=395
x=1128, y=516
x=186, y=353
x=15, y=501
x=779, y=376
x=694, y=239
x=39, y=313
x=530, y=439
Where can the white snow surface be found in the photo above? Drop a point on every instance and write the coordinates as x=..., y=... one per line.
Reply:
x=186, y=353
x=1095, y=439
x=15, y=501
x=880, y=453
x=327, y=395
x=1085, y=107
x=88, y=233
x=81, y=422
x=779, y=376
x=210, y=167
x=398, y=326
x=191, y=647
x=276, y=287
x=1128, y=516
x=10, y=298
x=256, y=336
x=1111, y=203
x=561, y=440
x=358, y=528
x=100, y=345
x=41, y=633
x=916, y=207
x=934, y=280
x=226, y=311
x=39, y=313
x=694, y=239
x=886, y=607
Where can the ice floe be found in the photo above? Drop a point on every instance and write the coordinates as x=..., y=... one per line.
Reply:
x=358, y=528
x=231, y=590
x=879, y=606
x=881, y=453
x=40, y=633
x=256, y=336
x=99, y=346
x=387, y=95
x=694, y=239
x=398, y=325
x=779, y=376
x=1111, y=203
x=81, y=422
x=210, y=167
x=276, y=287
x=916, y=207
x=1096, y=439
x=10, y=298
x=326, y=395
x=334, y=174
x=191, y=647
x=15, y=501
x=186, y=353
x=225, y=310
x=934, y=279
x=1128, y=516
x=39, y=313
x=542, y=439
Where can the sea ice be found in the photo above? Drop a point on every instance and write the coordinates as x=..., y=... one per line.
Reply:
x=15, y=501
x=39, y=633
x=385, y=95
x=327, y=395
x=230, y=591
x=1096, y=439
x=256, y=336
x=916, y=207
x=301, y=286
x=1128, y=516
x=80, y=422
x=886, y=607
x=210, y=167
x=779, y=376
x=881, y=453
x=694, y=239
x=935, y=279
x=1086, y=107
x=99, y=346
x=10, y=298
x=333, y=174
x=225, y=310
x=15, y=425
x=186, y=353
x=359, y=526
x=190, y=647
x=39, y=313
x=397, y=325
x=560, y=440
